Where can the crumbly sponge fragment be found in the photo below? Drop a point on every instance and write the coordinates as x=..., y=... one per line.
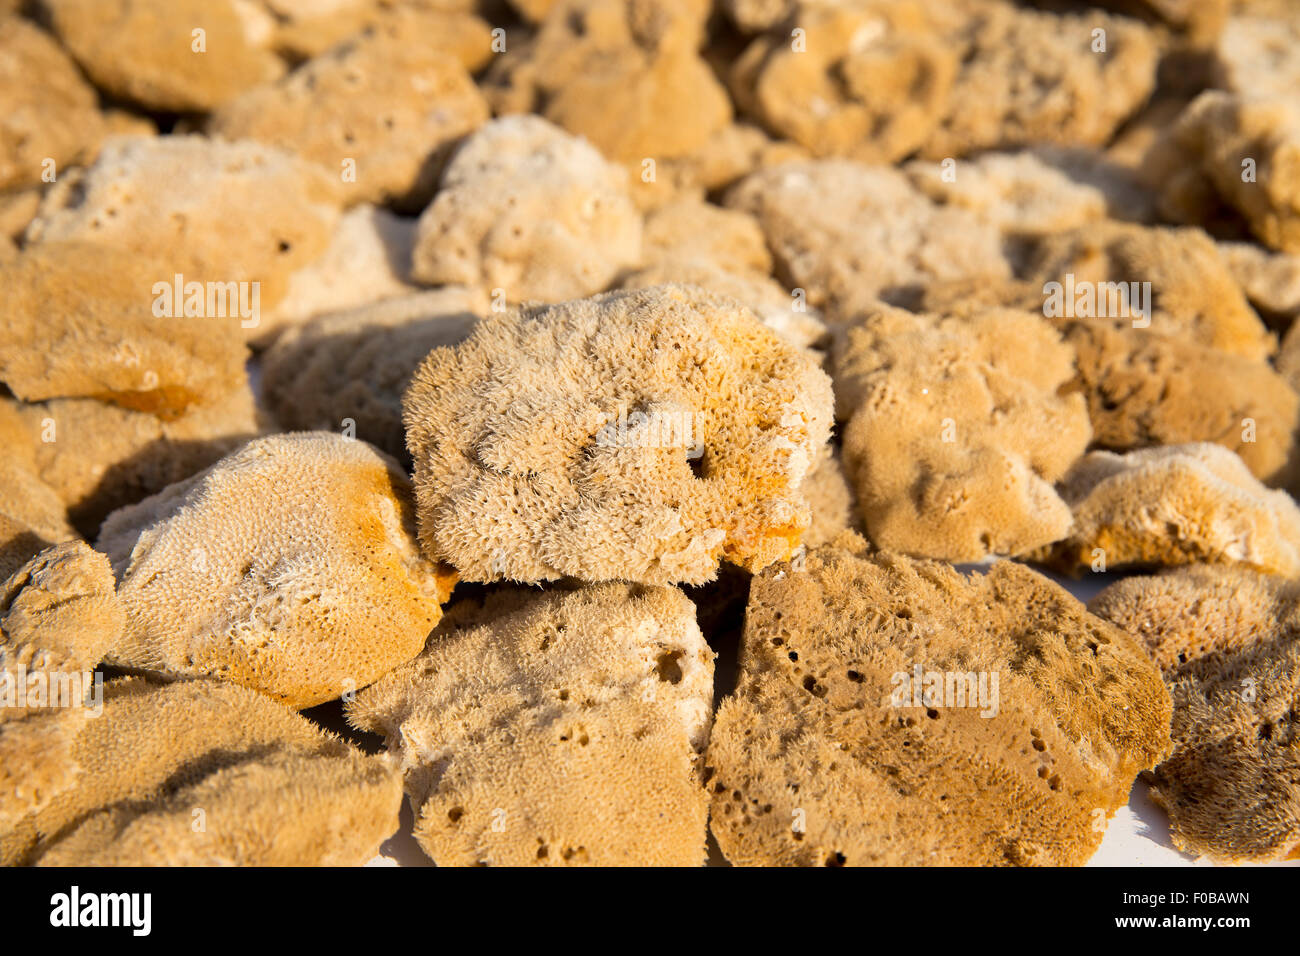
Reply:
x=1145, y=388
x=956, y=430
x=157, y=753
x=846, y=231
x=868, y=80
x=210, y=210
x=555, y=728
x=290, y=566
x=526, y=208
x=1229, y=642
x=1172, y=505
x=826, y=755
x=385, y=101
x=624, y=74
x=148, y=51
x=557, y=441
x=1193, y=293
x=1028, y=77
x=47, y=111
x=353, y=366
x=77, y=321
x=59, y=614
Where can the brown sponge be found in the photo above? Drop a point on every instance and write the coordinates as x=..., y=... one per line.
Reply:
x=209, y=210
x=1146, y=388
x=150, y=52
x=390, y=99
x=59, y=615
x=555, y=728
x=527, y=209
x=1228, y=640
x=1175, y=504
x=638, y=436
x=192, y=773
x=868, y=80
x=859, y=735
x=354, y=365
x=845, y=232
x=1028, y=77
x=290, y=566
x=48, y=110
x=956, y=430
x=77, y=321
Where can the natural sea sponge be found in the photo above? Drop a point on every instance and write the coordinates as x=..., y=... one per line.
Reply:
x=1144, y=388
x=526, y=208
x=273, y=788
x=697, y=230
x=290, y=566
x=47, y=111
x=1260, y=55
x=212, y=211
x=639, y=436
x=1271, y=281
x=693, y=242
x=846, y=232
x=624, y=74
x=728, y=155
x=59, y=614
x=32, y=517
x=341, y=808
x=1022, y=193
x=1028, y=77
x=1250, y=151
x=1172, y=505
x=868, y=80
x=368, y=259
x=77, y=320
x=97, y=457
x=1192, y=292
x=775, y=307
x=386, y=104
x=893, y=712
x=956, y=430
x=353, y=366
x=170, y=55
x=1227, y=639
x=555, y=728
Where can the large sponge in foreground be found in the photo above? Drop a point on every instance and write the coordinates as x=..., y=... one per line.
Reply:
x=289, y=566
x=192, y=773
x=637, y=436
x=555, y=728
x=893, y=712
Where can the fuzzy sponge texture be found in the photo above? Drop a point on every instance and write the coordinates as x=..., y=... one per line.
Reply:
x=121, y=787
x=639, y=436
x=890, y=711
x=290, y=566
x=1228, y=640
x=555, y=728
